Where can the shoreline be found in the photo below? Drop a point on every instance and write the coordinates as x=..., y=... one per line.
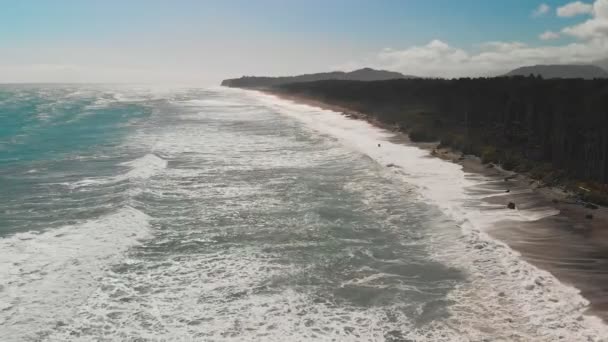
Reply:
x=568, y=244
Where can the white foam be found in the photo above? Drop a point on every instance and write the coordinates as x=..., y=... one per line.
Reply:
x=209, y=103
x=145, y=167
x=141, y=168
x=487, y=305
x=100, y=103
x=45, y=277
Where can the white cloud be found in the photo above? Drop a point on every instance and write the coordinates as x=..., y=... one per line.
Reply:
x=549, y=35
x=594, y=28
x=502, y=46
x=541, y=10
x=574, y=8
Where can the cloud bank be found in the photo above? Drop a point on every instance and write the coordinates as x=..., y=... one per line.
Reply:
x=439, y=59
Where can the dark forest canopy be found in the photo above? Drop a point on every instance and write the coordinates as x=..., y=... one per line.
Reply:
x=556, y=129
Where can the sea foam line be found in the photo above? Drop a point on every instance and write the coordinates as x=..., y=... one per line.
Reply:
x=140, y=169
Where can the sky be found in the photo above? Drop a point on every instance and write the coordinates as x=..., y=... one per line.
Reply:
x=205, y=41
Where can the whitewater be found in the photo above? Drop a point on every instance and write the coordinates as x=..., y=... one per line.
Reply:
x=212, y=214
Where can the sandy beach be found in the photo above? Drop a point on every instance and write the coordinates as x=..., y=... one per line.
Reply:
x=571, y=243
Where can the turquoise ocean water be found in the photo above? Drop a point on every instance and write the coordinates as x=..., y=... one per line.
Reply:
x=190, y=214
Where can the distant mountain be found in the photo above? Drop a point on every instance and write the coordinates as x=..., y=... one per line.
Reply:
x=561, y=71
x=365, y=74
x=369, y=74
x=602, y=63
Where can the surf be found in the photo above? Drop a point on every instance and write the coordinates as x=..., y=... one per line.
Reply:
x=46, y=277
x=497, y=271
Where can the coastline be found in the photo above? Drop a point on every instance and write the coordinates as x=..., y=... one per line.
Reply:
x=566, y=243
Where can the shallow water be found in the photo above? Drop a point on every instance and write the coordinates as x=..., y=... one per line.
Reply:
x=218, y=214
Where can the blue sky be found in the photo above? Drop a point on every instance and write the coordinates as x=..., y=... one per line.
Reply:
x=207, y=40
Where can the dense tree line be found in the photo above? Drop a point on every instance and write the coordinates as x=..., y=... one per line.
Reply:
x=365, y=74
x=556, y=127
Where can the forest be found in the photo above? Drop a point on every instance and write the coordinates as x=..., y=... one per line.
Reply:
x=555, y=130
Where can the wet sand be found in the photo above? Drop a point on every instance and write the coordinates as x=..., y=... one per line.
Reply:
x=571, y=246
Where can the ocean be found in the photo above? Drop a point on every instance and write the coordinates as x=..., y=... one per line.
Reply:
x=136, y=213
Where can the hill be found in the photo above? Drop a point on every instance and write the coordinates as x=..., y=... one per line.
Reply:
x=587, y=72
x=365, y=74
x=602, y=63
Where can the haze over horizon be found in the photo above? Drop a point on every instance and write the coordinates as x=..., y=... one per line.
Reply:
x=204, y=42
